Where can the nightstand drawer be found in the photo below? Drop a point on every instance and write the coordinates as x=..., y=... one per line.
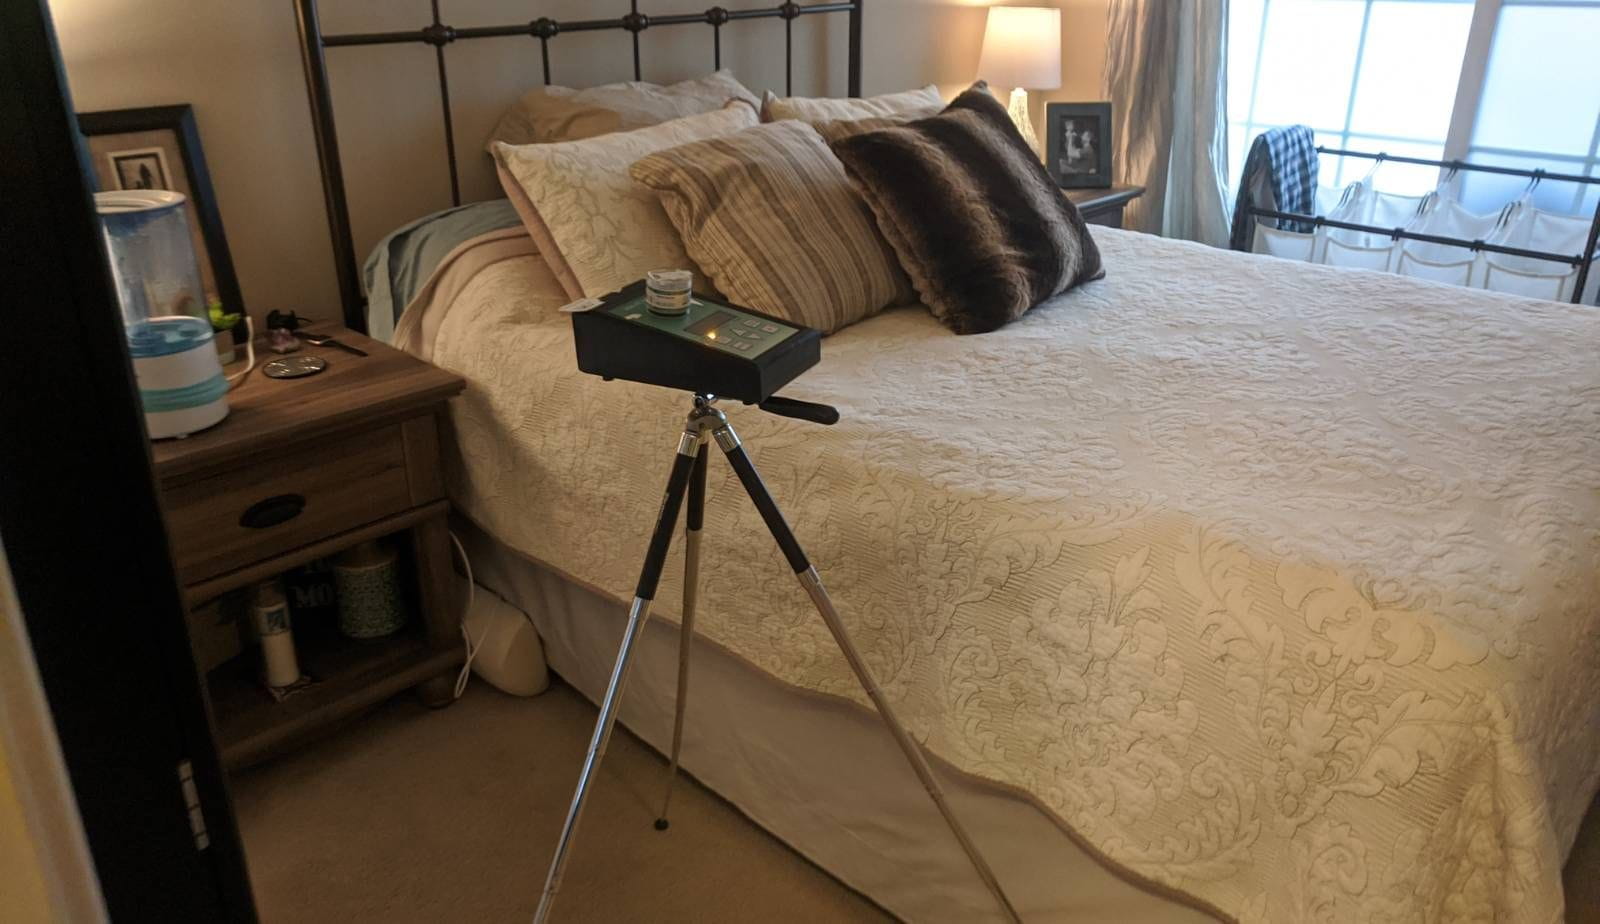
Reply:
x=251, y=513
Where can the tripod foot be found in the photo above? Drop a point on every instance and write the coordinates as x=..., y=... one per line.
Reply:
x=662, y=824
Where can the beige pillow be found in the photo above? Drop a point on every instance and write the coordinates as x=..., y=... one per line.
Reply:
x=770, y=216
x=907, y=105
x=550, y=114
x=606, y=228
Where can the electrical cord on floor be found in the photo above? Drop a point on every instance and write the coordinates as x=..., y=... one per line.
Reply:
x=466, y=634
x=249, y=353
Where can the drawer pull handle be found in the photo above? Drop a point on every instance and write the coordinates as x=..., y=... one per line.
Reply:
x=280, y=508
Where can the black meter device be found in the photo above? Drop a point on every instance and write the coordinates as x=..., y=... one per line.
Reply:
x=712, y=348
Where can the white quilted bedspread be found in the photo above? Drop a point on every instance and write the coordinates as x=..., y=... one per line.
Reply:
x=1278, y=584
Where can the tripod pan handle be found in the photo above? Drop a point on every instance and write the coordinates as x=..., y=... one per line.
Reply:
x=801, y=410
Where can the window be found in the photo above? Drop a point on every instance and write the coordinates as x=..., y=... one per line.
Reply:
x=1513, y=82
x=1540, y=104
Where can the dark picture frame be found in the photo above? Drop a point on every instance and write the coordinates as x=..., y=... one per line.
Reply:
x=142, y=149
x=1078, y=144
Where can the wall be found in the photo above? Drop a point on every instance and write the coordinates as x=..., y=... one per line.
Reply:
x=238, y=63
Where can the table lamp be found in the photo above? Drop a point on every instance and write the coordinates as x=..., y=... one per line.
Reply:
x=1022, y=49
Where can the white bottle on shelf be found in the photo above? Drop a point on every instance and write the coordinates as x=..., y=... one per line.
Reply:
x=270, y=612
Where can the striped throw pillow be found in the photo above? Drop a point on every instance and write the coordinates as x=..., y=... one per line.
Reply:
x=980, y=227
x=771, y=218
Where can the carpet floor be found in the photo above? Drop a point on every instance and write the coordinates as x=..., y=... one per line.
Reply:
x=413, y=815
x=417, y=815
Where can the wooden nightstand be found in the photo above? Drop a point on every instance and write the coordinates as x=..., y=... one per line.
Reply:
x=299, y=470
x=1104, y=206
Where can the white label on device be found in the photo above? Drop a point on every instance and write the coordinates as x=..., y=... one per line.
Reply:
x=582, y=304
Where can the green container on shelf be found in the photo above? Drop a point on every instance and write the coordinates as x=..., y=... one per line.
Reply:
x=370, y=602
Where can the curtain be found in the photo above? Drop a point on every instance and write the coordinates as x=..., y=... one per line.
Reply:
x=1166, y=79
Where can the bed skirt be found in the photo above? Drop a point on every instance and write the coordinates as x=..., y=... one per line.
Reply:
x=821, y=774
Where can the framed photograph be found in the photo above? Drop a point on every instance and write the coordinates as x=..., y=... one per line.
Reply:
x=141, y=168
x=1078, y=144
x=158, y=147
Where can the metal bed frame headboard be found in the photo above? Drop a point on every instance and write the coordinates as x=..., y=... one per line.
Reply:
x=313, y=44
x=1582, y=261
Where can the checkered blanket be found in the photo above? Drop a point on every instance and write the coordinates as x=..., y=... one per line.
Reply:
x=1289, y=158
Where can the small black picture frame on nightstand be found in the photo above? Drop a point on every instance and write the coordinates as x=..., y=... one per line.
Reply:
x=158, y=147
x=1078, y=144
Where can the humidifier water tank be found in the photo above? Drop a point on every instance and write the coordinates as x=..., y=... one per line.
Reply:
x=164, y=310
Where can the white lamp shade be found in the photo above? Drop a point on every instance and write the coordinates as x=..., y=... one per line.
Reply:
x=1022, y=48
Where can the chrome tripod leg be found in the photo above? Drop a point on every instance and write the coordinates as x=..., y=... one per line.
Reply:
x=913, y=751
x=638, y=615
x=695, y=517
x=728, y=441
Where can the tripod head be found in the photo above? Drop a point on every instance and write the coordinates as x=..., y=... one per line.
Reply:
x=825, y=414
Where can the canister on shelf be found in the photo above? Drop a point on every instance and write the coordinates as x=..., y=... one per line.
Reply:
x=368, y=579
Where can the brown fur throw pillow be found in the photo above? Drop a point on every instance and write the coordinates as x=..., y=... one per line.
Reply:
x=977, y=223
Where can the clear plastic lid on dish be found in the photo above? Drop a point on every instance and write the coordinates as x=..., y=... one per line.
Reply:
x=668, y=291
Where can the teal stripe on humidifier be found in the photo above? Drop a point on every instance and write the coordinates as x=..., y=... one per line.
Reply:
x=157, y=400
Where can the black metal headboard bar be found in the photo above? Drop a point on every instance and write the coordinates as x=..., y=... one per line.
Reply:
x=313, y=44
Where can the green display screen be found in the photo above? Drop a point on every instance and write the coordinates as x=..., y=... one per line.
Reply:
x=709, y=323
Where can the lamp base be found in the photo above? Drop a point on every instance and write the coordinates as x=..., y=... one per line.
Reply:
x=1018, y=110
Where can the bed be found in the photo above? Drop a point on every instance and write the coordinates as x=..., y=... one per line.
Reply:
x=1274, y=586
x=1219, y=587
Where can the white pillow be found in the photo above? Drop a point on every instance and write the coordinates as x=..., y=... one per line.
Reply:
x=907, y=105
x=550, y=114
x=608, y=229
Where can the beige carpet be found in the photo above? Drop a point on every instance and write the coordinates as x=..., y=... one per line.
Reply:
x=414, y=815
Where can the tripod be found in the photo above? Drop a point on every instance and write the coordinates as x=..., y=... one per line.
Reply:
x=688, y=476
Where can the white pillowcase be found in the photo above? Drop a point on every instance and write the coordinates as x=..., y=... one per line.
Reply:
x=908, y=105
x=554, y=113
x=608, y=229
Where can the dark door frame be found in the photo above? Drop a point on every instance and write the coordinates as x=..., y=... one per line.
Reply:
x=83, y=529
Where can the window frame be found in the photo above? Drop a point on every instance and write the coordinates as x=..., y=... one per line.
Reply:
x=1340, y=137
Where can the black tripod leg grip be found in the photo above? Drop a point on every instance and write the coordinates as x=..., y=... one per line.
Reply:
x=666, y=523
x=697, y=488
x=768, y=508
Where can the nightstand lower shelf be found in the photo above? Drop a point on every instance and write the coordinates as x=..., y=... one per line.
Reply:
x=252, y=726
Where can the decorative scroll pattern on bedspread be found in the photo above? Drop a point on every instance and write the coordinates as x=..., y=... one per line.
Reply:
x=1277, y=584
